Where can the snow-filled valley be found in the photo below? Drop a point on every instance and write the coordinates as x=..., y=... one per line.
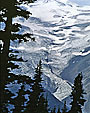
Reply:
x=62, y=41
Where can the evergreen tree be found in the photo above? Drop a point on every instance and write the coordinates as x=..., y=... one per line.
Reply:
x=20, y=100
x=8, y=11
x=64, y=110
x=37, y=103
x=77, y=95
x=58, y=110
x=43, y=105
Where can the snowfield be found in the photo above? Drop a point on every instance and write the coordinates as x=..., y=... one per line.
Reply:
x=62, y=41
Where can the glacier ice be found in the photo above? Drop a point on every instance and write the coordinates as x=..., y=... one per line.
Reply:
x=62, y=34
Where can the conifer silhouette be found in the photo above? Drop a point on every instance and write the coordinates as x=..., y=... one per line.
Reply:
x=77, y=95
x=64, y=110
x=37, y=102
x=58, y=110
x=9, y=10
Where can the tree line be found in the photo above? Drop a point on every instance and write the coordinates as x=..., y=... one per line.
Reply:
x=36, y=102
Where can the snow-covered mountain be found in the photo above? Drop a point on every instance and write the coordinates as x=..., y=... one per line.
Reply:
x=62, y=41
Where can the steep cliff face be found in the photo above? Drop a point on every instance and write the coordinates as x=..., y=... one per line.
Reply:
x=62, y=41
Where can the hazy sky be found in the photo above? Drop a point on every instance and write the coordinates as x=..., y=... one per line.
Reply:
x=81, y=2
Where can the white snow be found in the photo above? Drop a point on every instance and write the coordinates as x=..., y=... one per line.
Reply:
x=60, y=29
x=81, y=54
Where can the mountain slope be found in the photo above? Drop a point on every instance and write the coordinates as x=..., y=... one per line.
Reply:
x=62, y=39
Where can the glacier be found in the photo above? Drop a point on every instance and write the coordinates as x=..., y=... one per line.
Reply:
x=62, y=41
